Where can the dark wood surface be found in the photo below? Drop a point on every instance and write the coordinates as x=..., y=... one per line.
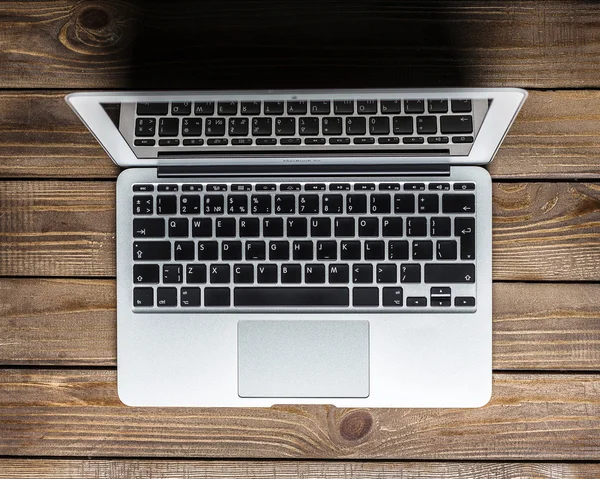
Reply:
x=59, y=411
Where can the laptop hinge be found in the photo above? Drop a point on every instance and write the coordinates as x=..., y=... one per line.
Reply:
x=303, y=170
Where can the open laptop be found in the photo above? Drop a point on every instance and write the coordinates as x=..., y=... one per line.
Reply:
x=325, y=246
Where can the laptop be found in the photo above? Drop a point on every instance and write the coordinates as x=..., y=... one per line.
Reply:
x=314, y=247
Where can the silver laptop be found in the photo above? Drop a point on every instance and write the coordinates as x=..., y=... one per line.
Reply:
x=329, y=247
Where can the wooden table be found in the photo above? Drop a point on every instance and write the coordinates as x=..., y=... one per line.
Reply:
x=59, y=411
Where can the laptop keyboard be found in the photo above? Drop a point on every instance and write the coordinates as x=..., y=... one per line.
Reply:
x=381, y=246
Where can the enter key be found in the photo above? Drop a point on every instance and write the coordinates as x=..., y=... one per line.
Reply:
x=464, y=228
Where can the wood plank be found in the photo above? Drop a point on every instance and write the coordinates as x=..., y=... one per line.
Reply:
x=542, y=231
x=198, y=469
x=77, y=413
x=555, y=136
x=71, y=322
x=64, y=44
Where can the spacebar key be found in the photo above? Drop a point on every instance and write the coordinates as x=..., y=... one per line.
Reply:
x=294, y=297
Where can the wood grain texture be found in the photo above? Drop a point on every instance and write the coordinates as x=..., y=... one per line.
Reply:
x=555, y=136
x=77, y=413
x=259, y=44
x=198, y=469
x=66, y=322
x=542, y=231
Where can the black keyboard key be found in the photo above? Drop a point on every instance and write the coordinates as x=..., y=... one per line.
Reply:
x=314, y=141
x=249, y=227
x=356, y=125
x=219, y=273
x=166, y=297
x=262, y=126
x=189, y=297
x=227, y=108
x=458, y=203
x=250, y=108
x=464, y=186
x=189, y=204
x=216, y=187
x=380, y=204
x=320, y=227
x=397, y=250
x=422, y=250
x=195, y=274
x=285, y=127
x=368, y=227
x=393, y=297
x=364, y=297
x=145, y=127
x=414, y=186
x=440, y=226
x=404, y=203
x=389, y=186
x=146, y=108
x=193, y=142
x=151, y=250
x=217, y=297
x=356, y=204
x=393, y=140
x=241, y=187
x=279, y=250
x=168, y=127
x=344, y=227
x=240, y=141
x=332, y=204
x=168, y=187
x=314, y=273
x=445, y=250
x=291, y=296
x=168, y=142
x=184, y=250
x=297, y=107
x=172, y=273
x=214, y=204
x=266, y=273
x=374, y=250
x=462, y=139
x=265, y=187
x=461, y=106
x=260, y=204
x=410, y=273
x=308, y=126
x=290, y=187
x=237, y=204
x=225, y=227
x=144, y=142
x=343, y=107
x=413, y=140
x=437, y=106
x=350, y=250
x=339, y=187
x=364, y=141
x=414, y=106
x=439, y=186
x=285, y=204
x=332, y=126
x=204, y=108
x=314, y=187
x=243, y=273
x=402, y=125
x=215, y=127
x=416, y=301
x=464, y=301
x=273, y=227
x=231, y=250
x=302, y=250
x=464, y=228
x=362, y=273
x=274, y=108
x=456, y=124
x=191, y=127
x=208, y=250
x=386, y=273
x=308, y=204
x=217, y=141
x=181, y=108
x=296, y=227
x=390, y=106
x=428, y=203
x=266, y=141
x=148, y=228
x=426, y=125
x=449, y=273
x=339, y=273
x=201, y=227
x=238, y=126
x=437, y=140
x=416, y=226
x=255, y=250
x=320, y=107
x=364, y=186
x=291, y=273
x=290, y=141
x=392, y=226
x=364, y=107
x=327, y=250
x=145, y=273
x=143, y=297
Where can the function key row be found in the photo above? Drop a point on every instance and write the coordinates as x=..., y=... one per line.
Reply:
x=303, y=107
x=170, y=187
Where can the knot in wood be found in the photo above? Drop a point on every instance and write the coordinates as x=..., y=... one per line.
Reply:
x=93, y=18
x=356, y=425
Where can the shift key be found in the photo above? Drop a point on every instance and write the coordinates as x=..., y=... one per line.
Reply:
x=443, y=273
x=151, y=250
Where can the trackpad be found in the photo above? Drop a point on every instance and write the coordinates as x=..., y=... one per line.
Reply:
x=303, y=359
